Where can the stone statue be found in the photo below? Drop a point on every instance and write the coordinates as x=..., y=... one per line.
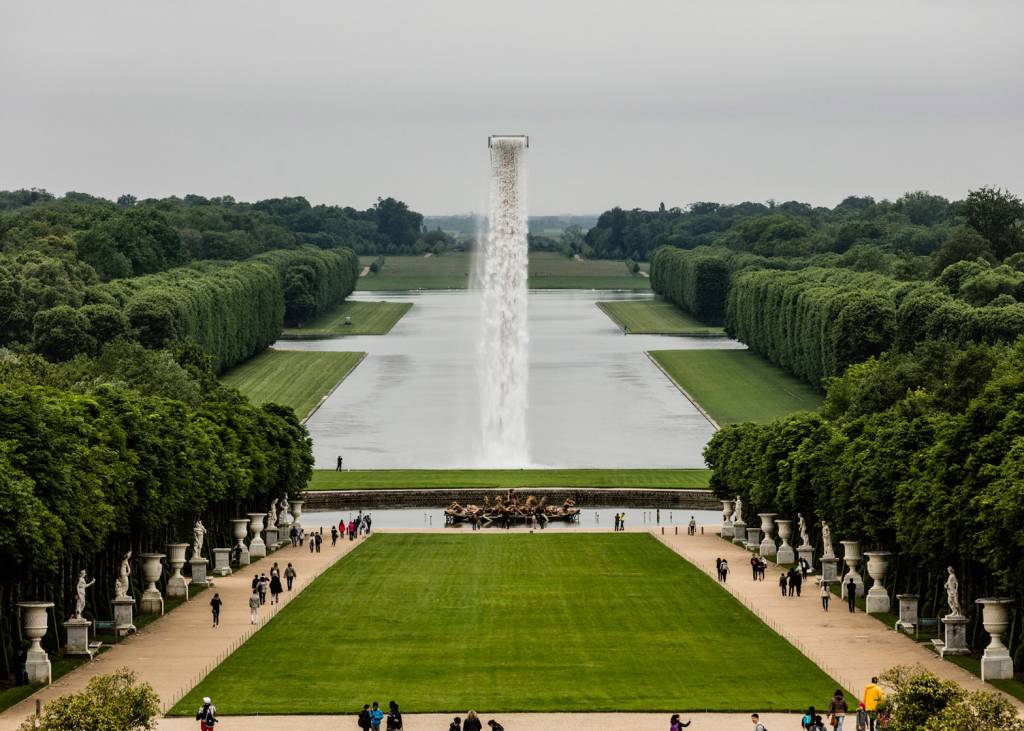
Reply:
x=826, y=540
x=80, y=599
x=199, y=533
x=952, y=590
x=282, y=517
x=121, y=585
x=805, y=539
x=737, y=516
x=272, y=514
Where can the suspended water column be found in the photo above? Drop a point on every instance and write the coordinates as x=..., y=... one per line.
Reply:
x=504, y=335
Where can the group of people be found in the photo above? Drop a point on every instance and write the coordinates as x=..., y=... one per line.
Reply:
x=866, y=719
x=357, y=527
x=790, y=582
x=722, y=565
x=372, y=716
x=472, y=723
x=620, y=521
x=261, y=586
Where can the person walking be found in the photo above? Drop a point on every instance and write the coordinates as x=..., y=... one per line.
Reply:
x=319, y=538
x=851, y=595
x=622, y=522
x=455, y=725
x=334, y=536
x=826, y=595
x=215, y=605
x=782, y=583
x=692, y=525
x=755, y=566
x=206, y=715
x=472, y=722
x=376, y=716
x=805, y=567
x=873, y=695
x=756, y=720
x=254, y=607
x=363, y=721
x=798, y=579
x=263, y=586
x=368, y=522
x=791, y=575
x=807, y=722
x=763, y=567
x=837, y=709
x=675, y=724
x=294, y=535
x=275, y=587
x=338, y=468
x=394, y=717
x=725, y=570
x=718, y=567
x=351, y=530
x=289, y=575
x=863, y=721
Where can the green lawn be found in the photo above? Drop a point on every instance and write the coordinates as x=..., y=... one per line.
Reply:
x=295, y=378
x=368, y=318
x=737, y=385
x=391, y=479
x=520, y=622
x=656, y=317
x=548, y=270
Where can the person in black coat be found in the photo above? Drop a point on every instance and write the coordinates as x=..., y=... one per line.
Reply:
x=472, y=722
x=364, y=717
x=851, y=595
x=455, y=725
x=394, y=717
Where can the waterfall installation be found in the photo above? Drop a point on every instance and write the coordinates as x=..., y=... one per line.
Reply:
x=504, y=338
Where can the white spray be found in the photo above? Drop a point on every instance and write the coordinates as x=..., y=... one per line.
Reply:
x=504, y=337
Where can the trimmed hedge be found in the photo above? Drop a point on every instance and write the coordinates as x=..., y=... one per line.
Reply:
x=696, y=281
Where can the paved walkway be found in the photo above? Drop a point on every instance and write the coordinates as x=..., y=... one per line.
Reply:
x=849, y=647
x=175, y=651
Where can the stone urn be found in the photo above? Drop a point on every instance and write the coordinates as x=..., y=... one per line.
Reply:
x=152, y=600
x=996, y=663
x=296, y=506
x=177, y=586
x=728, y=531
x=257, y=548
x=239, y=527
x=878, y=598
x=768, y=549
x=785, y=551
x=35, y=620
x=852, y=557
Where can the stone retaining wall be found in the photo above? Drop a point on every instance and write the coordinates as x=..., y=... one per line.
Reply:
x=442, y=498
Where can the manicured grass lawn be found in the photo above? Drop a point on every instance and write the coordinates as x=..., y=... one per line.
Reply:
x=656, y=317
x=293, y=378
x=548, y=270
x=520, y=622
x=737, y=385
x=368, y=318
x=393, y=479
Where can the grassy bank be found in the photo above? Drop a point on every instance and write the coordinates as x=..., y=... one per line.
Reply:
x=736, y=385
x=368, y=318
x=398, y=479
x=293, y=378
x=452, y=271
x=585, y=622
x=655, y=317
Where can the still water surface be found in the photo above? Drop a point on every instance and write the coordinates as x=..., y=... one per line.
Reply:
x=595, y=398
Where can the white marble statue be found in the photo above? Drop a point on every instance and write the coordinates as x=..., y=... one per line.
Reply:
x=826, y=540
x=80, y=599
x=952, y=592
x=737, y=516
x=805, y=539
x=199, y=535
x=272, y=515
x=121, y=585
x=282, y=517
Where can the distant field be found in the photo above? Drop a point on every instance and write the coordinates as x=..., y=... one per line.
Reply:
x=295, y=378
x=396, y=479
x=368, y=318
x=520, y=622
x=452, y=271
x=656, y=317
x=737, y=385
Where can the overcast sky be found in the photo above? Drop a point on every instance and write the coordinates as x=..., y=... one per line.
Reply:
x=626, y=103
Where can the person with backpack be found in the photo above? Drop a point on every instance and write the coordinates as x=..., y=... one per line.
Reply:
x=394, y=717
x=376, y=716
x=364, y=718
x=675, y=724
x=215, y=605
x=807, y=722
x=289, y=575
x=756, y=720
x=207, y=715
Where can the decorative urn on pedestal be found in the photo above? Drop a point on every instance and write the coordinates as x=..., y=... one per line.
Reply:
x=152, y=600
x=877, y=598
x=785, y=552
x=177, y=585
x=240, y=527
x=767, y=526
x=996, y=663
x=257, y=548
x=852, y=557
x=35, y=621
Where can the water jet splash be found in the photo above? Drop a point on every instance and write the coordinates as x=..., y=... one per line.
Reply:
x=504, y=338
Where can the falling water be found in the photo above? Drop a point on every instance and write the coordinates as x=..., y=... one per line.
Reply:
x=504, y=338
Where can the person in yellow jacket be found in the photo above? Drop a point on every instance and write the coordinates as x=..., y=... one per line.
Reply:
x=873, y=695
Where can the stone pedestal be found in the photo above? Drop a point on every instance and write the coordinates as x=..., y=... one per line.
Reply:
x=222, y=562
x=908, y=612
x=955, y=634
x=199, y=577
x=740, y=528
x=78, y=638
x=878, y=598
x=728, y=530
x=996, y=663
x=753, y=539
x=296, y=506
x=240, y=527
x=177, y=586
x=271, y=538
x=806, y=553
x=124, y=619
x=34, y=622
x=768, y=549
x=257, y=548
x=830, y=569
x=785, y=553
x=152, y=600
x=852, y=558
